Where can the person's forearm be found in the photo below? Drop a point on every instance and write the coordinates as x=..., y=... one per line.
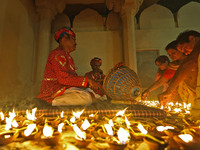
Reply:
x=157, y=84
x=182, y=72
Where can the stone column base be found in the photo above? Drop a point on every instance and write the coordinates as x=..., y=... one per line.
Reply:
x=195, y=111
x=195, y=114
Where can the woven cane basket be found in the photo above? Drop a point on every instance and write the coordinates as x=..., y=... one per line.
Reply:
x=122, y=83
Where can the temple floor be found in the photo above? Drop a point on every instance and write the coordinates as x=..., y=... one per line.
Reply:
x=137, y=114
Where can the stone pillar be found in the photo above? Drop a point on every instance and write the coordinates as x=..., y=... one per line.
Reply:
x=129, y=44
x=195, y=112
x=43, y=48
x=128, y=12
x=46, y=10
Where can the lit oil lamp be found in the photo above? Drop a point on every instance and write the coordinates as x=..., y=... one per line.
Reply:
x=121, y=113
x=102, y=134
x=162, y=130
x=8, y=137
x=10, y=121
x=87, y=127
x=78, y=113
x=149, y=139
x=60, y=127
x=138, y=132
x=82, y=139
x=2, y=121
x=31, y=132
x=53, y=122
x=121, y=142
x=172, y=132
x=50, y=137
x=155, y=144
x=195, y=130
x=30, y=116
x=94, y=116
x=75, y=118
x=63, y=118
x=187, y=141
x=119, y=117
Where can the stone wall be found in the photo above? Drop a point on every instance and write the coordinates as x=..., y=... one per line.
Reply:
x=17, y=45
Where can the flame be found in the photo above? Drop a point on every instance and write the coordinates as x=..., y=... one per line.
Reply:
x=73, y=119
x=127, y=122
x=142, y=129
x=9, y=121
x=13, y=113
x=91, y=115
x=177, y=110
x=121, y=113
x=48, y=131
x=108, y=129
x=111, y=123
x=14, y=123
x=78, y=114
x=161, y=107
x=31, y=116
x=30, y=129
x=187, y=106
x=123, y=135
x=78, y=131
x=7, y=136
x=60, y=126
x=62, y=114
x=187, y=112
x=171, y=104
x=184, y=105
x=186, y=137
x=85, y=124
x=152, y=103
x=2, y=116
x=169, y=108
x=162, y=128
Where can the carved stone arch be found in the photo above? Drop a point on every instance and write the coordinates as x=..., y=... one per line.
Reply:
x=113, y=21
x=88, y=20
x=156, y=17
x=188, y=15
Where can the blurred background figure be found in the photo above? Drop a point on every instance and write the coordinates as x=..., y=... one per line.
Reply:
x=97, y=75
x=168, y=71
x=162, y=62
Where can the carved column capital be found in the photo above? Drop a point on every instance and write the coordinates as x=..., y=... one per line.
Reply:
x=114, y=5
x=131, y=7
x=124, y=6
x=49, y=8
x=127, y=11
